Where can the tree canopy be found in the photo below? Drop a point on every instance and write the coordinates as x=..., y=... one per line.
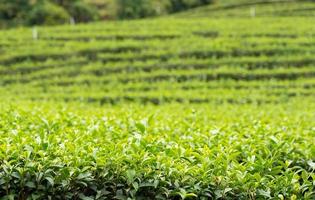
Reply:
x=51, y=12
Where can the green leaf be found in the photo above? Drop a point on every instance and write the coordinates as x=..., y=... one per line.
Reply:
x=30, y=184
x=84, y=175
x=8, y=197
x=16, y=175
x=130, y=174
x=141, y=127
x=83, y=197
x=264, y=193
x=50, y=180
x=190, y=195
x=311, y=164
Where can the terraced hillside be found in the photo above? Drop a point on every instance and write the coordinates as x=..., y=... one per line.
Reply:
x=255, y=8
x=165, y=108
x=154, y=62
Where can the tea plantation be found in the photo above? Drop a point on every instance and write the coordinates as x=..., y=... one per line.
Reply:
x=197, y=105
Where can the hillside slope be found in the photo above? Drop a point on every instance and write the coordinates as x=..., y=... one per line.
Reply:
x=255, y=8
x=163, y=60
x=166, y=108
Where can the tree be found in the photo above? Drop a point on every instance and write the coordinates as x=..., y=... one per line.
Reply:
x=51, y=12
x=144, y=8
x=82, y=12
x=133, y=9
x=14, y=11
x=178, y=5
x=48, y=13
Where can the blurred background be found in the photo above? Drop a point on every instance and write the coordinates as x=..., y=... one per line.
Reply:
x=51, y=12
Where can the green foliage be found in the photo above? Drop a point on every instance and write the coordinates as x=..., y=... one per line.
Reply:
x=48, y=14
x=142, y=8
x=78, y=152
x=82, y=12
x=21, y=12
x=245, y=8
x=51, y=12
x=178, y=5
x=133, y=9
x=14, y=11
x=166, y=108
